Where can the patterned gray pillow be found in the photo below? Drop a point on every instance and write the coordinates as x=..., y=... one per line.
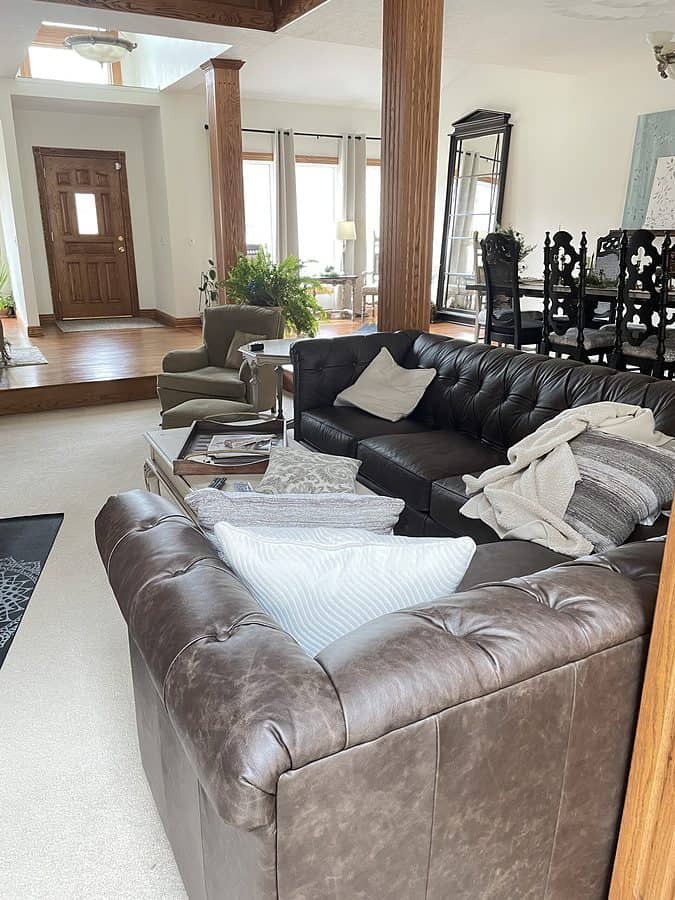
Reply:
x=298, y=471
x=622, y=484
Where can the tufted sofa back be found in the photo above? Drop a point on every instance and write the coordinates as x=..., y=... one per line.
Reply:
x=493, y=394
x=499, y=395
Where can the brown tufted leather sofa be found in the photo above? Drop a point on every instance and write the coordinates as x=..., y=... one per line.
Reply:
x=483, y=400
x=473, y=748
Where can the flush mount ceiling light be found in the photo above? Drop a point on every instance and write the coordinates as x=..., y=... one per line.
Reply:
x=102, y=47
x=664, y=50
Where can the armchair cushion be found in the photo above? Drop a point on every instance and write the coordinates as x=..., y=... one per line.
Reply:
x=234, y=359
x=185, y=360
x=221, y=323
x=210, y=381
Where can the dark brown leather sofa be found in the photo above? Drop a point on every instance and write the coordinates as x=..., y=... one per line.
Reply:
x=473, y=748
x=483, y=400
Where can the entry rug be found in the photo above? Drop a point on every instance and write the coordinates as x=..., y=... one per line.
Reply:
x=25, y=543
x=25, y=356
x=121, y=324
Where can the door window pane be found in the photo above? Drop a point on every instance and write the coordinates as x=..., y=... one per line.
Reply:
x=87, y=217
x=258, y=203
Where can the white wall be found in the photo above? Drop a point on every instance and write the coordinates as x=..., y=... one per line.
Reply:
x=85, y=131
x=571, y=147
x=160, y=61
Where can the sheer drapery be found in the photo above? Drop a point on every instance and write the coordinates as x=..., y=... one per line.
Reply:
x=353, y=178
x=286, y=237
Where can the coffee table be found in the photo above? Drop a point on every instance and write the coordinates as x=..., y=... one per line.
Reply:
x=164, y=447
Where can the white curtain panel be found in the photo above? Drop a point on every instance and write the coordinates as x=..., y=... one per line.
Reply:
x=353, y=177
x=286, y=195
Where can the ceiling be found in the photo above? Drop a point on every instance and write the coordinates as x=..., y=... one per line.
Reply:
x=332, y=55
x=569, y=36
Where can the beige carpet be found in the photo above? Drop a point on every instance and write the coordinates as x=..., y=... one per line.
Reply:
x=76, y=816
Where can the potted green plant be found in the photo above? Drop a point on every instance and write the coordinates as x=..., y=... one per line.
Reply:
x=209, y=287
x=524, y=249
x=7, y=307
x=259, y=281
x=7, y=304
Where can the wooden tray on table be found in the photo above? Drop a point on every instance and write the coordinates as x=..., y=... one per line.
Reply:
x=203, y=430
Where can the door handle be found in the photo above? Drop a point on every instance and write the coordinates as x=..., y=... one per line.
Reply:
x=121, y=250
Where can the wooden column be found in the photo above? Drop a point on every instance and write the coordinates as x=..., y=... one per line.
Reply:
x=411, y=86
x=227, y=175
x=645, y=860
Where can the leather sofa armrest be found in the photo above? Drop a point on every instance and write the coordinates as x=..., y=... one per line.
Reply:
x=325, y=367
x=246, y=701
x=185, y=360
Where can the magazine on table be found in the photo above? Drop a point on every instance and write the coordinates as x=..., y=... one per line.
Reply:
x=224, y=445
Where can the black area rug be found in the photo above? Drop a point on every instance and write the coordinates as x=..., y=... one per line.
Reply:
x=25, y=543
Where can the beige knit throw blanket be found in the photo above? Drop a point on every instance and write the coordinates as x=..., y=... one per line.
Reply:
x=527, y=499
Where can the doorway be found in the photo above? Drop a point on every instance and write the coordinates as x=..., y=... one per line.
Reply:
x=84, y=200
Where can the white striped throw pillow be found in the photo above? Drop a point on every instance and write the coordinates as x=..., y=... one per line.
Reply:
x=322, y=583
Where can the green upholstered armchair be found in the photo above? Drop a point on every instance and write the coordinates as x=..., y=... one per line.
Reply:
x=202, y=372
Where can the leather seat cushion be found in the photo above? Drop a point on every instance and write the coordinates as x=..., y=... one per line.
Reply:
x=211, y=381
x=406, y=465
x=508, y=559
x=338, y=429
x=447, y=497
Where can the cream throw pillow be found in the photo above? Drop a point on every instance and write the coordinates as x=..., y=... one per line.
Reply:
x=387, y=390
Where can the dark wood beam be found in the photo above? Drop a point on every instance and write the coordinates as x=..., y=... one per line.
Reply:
x=256, y=14
x=411, y=89
x=227, y=172
x=287, y=11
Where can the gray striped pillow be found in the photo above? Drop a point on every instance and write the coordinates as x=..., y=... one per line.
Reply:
x=369, y=511
x=623, y=483
x=321, y=583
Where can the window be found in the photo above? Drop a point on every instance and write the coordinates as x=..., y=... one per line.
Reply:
x=373, y=216
x=48, y=58
x=65, y=65
x=259, y=202
x=317, y=186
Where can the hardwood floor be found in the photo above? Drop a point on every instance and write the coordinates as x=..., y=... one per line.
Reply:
x=90, y=368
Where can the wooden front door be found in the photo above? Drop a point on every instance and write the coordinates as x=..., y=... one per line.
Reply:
x=85, y=215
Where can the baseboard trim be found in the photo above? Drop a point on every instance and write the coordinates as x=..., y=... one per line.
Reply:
x=35, y=330
x=158, y=314
x=172, y=321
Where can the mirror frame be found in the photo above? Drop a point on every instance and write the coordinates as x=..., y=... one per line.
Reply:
x=479, y=123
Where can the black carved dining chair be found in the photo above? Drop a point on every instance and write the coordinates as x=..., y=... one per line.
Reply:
x=606, y=270
x=566, y=330
x=645, y=335
x=505, y=322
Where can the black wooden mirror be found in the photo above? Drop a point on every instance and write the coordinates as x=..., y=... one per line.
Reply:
x=479, y=155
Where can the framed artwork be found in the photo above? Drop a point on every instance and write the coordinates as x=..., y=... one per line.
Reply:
x=650, y=199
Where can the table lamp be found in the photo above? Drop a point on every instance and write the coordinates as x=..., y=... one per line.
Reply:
x=345, y=231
